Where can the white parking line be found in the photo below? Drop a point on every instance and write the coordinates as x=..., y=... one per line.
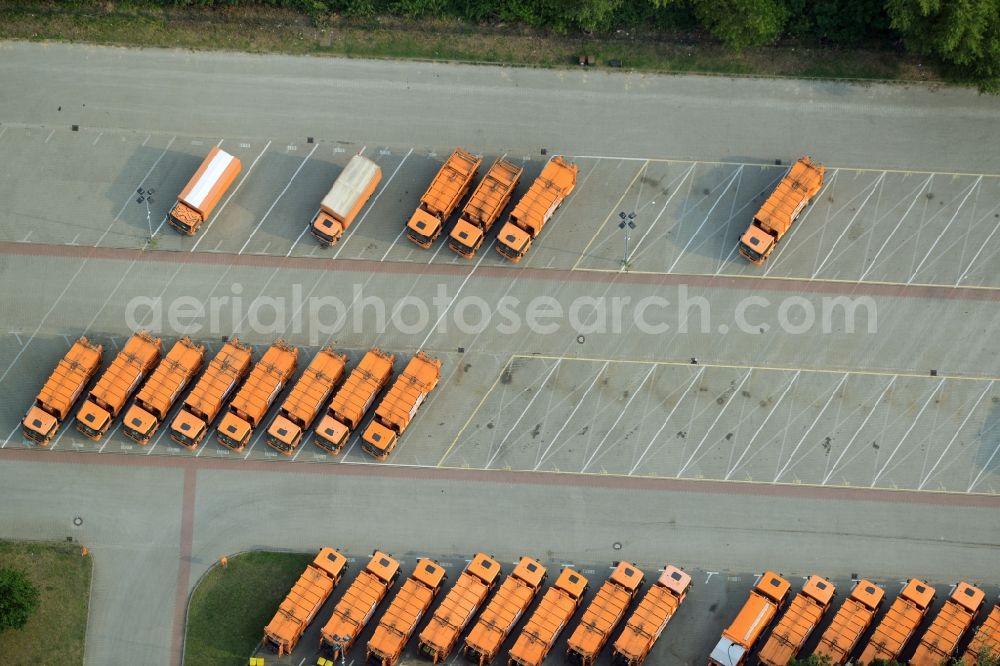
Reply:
x=569, y=418
x=674, y=190
x=913, y=203
x=913, y=424
x=97, y=139
x=694, y=378
x=49, y=136
x=791, y=456
x=732, y=179
x=876, y=187
x=621, y=414
x=828, y=185
x=517, y=422
x=716, y=421
x=613, y=211
x=350, y=232
x=107, y=437
x=208, y=225
x=978, y=252
x=763, y=423
x=958, y=430
x=945, y=231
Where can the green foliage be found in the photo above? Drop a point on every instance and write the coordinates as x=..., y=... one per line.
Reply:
x=18, y=598
x=740, y=24
x=811, y=660
x=963, y=33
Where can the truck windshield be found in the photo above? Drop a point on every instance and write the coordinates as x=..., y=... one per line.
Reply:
x=229, y=441
x=87, y=429
x=753, y=255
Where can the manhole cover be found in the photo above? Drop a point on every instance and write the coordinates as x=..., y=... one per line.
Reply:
x=580, y=339
x=78, y=521
x=616, y=545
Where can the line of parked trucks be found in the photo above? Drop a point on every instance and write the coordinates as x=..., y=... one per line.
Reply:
x=442, y=634
x=253, y=388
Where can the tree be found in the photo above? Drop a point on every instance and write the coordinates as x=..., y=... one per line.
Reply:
x=740, y=24
x=963, y=33
x=18, y=599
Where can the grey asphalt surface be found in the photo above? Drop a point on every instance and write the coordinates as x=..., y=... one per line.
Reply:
x=909, y=219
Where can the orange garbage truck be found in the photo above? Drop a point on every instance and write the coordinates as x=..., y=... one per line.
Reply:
x=442, y=197
x=400, y=405
x=158, y=395
x=61, y=391
x=306, y=400
x=548, y=621
x=306, y=597
x=503, y=612
x=400, y=620
x=250, y=405
x=651, y=617
x=536, y=207
x=797, y=624
x=204, y=402
x=900, y=622
x=204, y=191
x=484, y=208
x=459, y=606
x=766, y=599
x=802, y=182
x=132, y=364
x=941, y=639
x=986, y=641
x=358, y=604
x=348, y=195
x=850, y=623
x=353, y=400
x=603, y=614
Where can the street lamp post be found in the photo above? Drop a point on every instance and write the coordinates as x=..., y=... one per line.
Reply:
x=146, y=197
x=627, y=223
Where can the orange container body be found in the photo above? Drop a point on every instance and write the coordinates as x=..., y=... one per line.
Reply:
x=358, y=604
x=61, y=391
x=955, y=618
x=766, y=599
x=651, y=617
x=802, y=182
x=986, y=641
x=536, y=207
x=797, y=624
x=250, y=405
x=484, y=208
x=304, y=600
x=900, y=622
x=158, y=395
x=306, y=400
x=202, y=193
x=400, y=405
x=204, y=402
x=549, y=619
x=603, y=614
x=504, y=610
x=459, y=606
x=850, y=622
x=401, y=618
x=442, y=197
x=348, y=195
x=353, y=400
x=132, y=364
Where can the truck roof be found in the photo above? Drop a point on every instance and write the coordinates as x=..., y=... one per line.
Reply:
x=266, y=379
x=758, y=611
x=313, y=388
x=350, y=186
x=794, y=627
x=949, y=626
x=356, y=395
x=606, y=610
x=138, y=355
x=652, y=614
x=549, y=619
x=171, y=375
x=450, y=183
x=203, y=190
x=554, y=183
x=800, y=184
x=70, y=375
x=899, y=623
x=851, y=621
x=223, y=372
x=492, y=193
x=309, y=593
x=408, y=391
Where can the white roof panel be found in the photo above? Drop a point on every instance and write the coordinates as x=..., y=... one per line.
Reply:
x=349, y=186
x=208, y=179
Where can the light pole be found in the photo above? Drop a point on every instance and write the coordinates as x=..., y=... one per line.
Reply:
x=146, y=197
x=627, y=223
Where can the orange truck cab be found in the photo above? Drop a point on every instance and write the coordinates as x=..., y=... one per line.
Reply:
x=797, y=624
x=353, y=400
x=400, y=405
x=250, y=405
x=941, y=639
x=548, y=621
x=900, y=622
x=986, y=641
x=536, y=208
x=132, y=364
x=202, y=193
x=204, y=402
x=305, y=400
x=461, y=603
x=158, y=395
x=802, y=182
x=358, y=604
x=850, y=623
x=603, y=614
x=503, y=612
x=766, y=599
x=442, y=197
x=651, y=617
x=348, y=195
x=61, y=391
x=401, y=618
x=484, y=208
x=304, y=600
